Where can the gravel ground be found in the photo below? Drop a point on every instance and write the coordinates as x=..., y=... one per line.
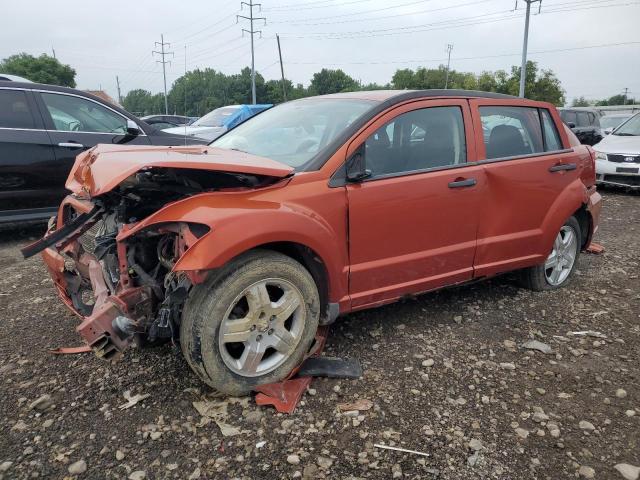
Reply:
x=446, y=374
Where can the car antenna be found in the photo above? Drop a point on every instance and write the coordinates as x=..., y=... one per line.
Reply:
x=185, y=94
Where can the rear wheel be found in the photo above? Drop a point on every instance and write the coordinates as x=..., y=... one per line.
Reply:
x=559, y=266
x=252, y=324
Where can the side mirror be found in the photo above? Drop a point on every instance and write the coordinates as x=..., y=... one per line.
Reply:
x=607, y=131
x=571, y=125
x=133, y=128
x=356, y=167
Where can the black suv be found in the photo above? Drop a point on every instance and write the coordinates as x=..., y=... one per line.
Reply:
x=42, y=130
x=584, y=122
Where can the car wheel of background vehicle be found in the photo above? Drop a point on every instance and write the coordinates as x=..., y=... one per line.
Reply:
x=251, y=324
x=558, y=268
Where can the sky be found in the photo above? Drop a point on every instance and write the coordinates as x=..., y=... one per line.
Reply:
x=593, y=46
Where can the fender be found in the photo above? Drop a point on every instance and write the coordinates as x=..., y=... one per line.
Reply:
x=239, y=222
x=572, y=198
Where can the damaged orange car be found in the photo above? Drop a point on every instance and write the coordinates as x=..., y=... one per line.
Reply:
x=313, y=209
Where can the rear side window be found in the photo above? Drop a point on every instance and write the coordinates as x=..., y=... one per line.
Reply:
x=417, y=140
x=551, y=137
x=583, y=119
x=14, y=110
x=510, y=131
x=568, y=116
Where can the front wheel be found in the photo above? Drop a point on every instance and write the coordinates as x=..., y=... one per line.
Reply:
x=558, y=268
x=251, y=326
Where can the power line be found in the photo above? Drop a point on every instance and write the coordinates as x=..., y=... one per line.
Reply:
x=452, y=23
x=164, y=62
x=290, y=7
x=385, y=18
x=252, y=32
x=475, y=57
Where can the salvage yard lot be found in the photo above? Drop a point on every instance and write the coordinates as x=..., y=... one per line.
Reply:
x=446, y=373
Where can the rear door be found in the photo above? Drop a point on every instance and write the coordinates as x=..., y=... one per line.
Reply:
x=413, y=222
x=77, y=123
x=528, y=164
x=26, y=155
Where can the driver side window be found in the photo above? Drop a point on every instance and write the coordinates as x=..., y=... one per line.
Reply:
x=75, y=114
x=417, y=140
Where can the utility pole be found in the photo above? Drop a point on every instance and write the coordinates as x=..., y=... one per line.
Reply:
x=446, y=80
x=251, y=32
x=284, y=87
x=523, y=67
x=626, y=92
x=54, y=52
x=119, y=94
x=163, y=54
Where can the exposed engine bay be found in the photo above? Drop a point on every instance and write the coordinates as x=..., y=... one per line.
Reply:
x=125, y=287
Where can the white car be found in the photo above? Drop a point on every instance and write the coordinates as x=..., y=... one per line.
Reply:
x=215, y=123
x=609, y=122
x=618, y=156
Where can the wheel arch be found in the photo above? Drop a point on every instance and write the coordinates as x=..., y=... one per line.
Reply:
x=572, y=201
x=314, y=264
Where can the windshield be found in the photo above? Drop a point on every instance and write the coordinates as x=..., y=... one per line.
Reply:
x=294, y=132
x=217, y=118
x=631, y=128
x=613, y=121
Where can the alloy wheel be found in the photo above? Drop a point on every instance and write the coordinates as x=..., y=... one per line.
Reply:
x=560, y=262
x=262, y=327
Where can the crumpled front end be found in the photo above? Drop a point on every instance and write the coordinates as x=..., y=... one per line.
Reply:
x=114, y=270
x=125, y=290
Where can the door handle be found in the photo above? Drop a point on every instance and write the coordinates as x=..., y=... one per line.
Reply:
x=464, y=182
x=70, y=145
x=559, y=167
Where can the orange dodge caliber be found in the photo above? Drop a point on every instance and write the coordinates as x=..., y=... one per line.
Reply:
x=310, y=210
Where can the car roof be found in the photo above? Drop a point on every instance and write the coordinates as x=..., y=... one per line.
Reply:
x=57, y=88
x=399, y=95
x=7, y=77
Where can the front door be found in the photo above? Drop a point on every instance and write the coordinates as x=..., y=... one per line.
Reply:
x=527, y=169
x=76, y=124
x=26, y=157
x=413, y=222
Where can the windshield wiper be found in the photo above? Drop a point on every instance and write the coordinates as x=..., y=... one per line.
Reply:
x=626, y=135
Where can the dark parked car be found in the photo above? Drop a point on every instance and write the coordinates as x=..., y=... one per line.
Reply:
x=42, y=130
x=161, y=122
x=584, y=122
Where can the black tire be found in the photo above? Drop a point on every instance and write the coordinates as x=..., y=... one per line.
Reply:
x=208, y=303
x=535, y=278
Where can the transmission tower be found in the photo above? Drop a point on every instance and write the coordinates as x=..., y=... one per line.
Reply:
x=163, y=53
x=251, y=32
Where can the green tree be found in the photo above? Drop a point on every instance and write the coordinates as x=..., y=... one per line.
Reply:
x=332, y=81
x=142, y=102
x=617, y=100
x=42, y=69
x=580, y=102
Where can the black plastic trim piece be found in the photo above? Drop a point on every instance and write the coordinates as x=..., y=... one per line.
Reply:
x=563, y=167
x=59, y=235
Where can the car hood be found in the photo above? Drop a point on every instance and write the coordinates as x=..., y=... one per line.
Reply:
x=103, y=167
x=619, y=144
